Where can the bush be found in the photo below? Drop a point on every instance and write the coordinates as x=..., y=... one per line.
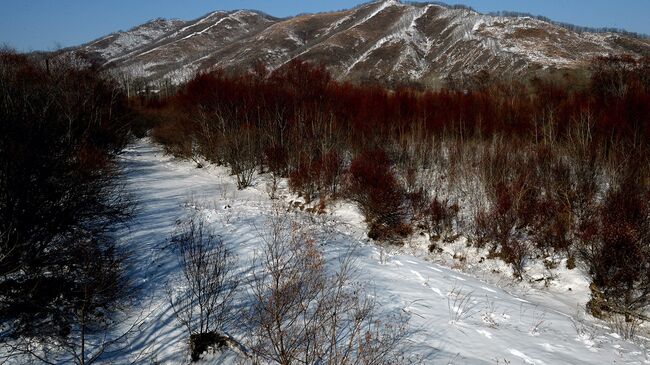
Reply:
x=203, y=304
x=276, y=159
x=440, y=218
x=201, y=342
x=321, y=175
x=543, y=153
x=175, y=136
x=617, y=251
x=331, y=168
x=242, y=153
x=300, y=312
x=382, y=232
x=373, y=187
x=304, y=179
x=61, y=273
x=507, y=222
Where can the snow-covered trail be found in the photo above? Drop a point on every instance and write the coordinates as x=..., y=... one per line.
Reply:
x=456, y=319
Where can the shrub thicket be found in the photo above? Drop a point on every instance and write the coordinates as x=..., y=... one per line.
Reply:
x=529, y=163
x=61, y=274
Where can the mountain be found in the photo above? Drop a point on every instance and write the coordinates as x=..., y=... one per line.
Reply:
x=386, y=41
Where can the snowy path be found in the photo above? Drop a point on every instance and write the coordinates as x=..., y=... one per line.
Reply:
x=457, y=319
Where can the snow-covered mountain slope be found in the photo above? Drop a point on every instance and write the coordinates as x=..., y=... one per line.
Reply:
x=383, y=40
x=456, y=318
x=123, y=42
x=386, y=41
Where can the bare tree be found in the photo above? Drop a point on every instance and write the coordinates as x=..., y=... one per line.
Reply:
x=63, y=285
x=96, y=319
x=243, y=154
x=300, y=314
x=203, y=301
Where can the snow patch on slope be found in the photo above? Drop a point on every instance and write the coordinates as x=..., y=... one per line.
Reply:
x=134, y=38
x=405, y=31
x=382, y=6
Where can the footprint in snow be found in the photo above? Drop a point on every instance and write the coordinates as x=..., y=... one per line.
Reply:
x=418, y=275
x=488, y=289
x=425, y=283
x=525, y=358
x=485, y=333
x=552, y=348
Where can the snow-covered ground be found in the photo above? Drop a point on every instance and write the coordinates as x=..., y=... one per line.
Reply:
x=456, y=317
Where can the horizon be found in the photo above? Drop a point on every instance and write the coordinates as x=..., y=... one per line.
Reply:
x=42, y=25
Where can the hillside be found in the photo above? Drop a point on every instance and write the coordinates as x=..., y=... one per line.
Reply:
x=386, y=41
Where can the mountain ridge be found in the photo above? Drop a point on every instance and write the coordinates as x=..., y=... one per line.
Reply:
x=385, y=41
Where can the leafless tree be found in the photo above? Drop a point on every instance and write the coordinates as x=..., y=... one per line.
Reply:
x=301, y=314
x=63, y=285
x=90, y=331
x=243, y=154
x=202, y=302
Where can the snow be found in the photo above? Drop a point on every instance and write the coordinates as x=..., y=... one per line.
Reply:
x=236, y=16
x=201, y=21
x=413, y=41
x=456, y=317
x=294, y=37
x=381, y=7
x=125, y=42
x=336, y=24
x=365, y=54
x=205, y=29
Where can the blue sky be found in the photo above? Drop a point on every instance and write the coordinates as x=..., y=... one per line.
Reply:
x=48, y=24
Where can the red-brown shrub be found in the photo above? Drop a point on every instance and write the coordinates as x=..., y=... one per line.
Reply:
x=544, y=153
x=617, y=251
x=509, y=220
x=276, y=159
x=441, y=216
x=321, y=175
x=331, y=168
x=373, y=187
x=175, y=136
x=304, y=179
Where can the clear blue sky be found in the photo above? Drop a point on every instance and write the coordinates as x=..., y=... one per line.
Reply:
x=47, y=24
